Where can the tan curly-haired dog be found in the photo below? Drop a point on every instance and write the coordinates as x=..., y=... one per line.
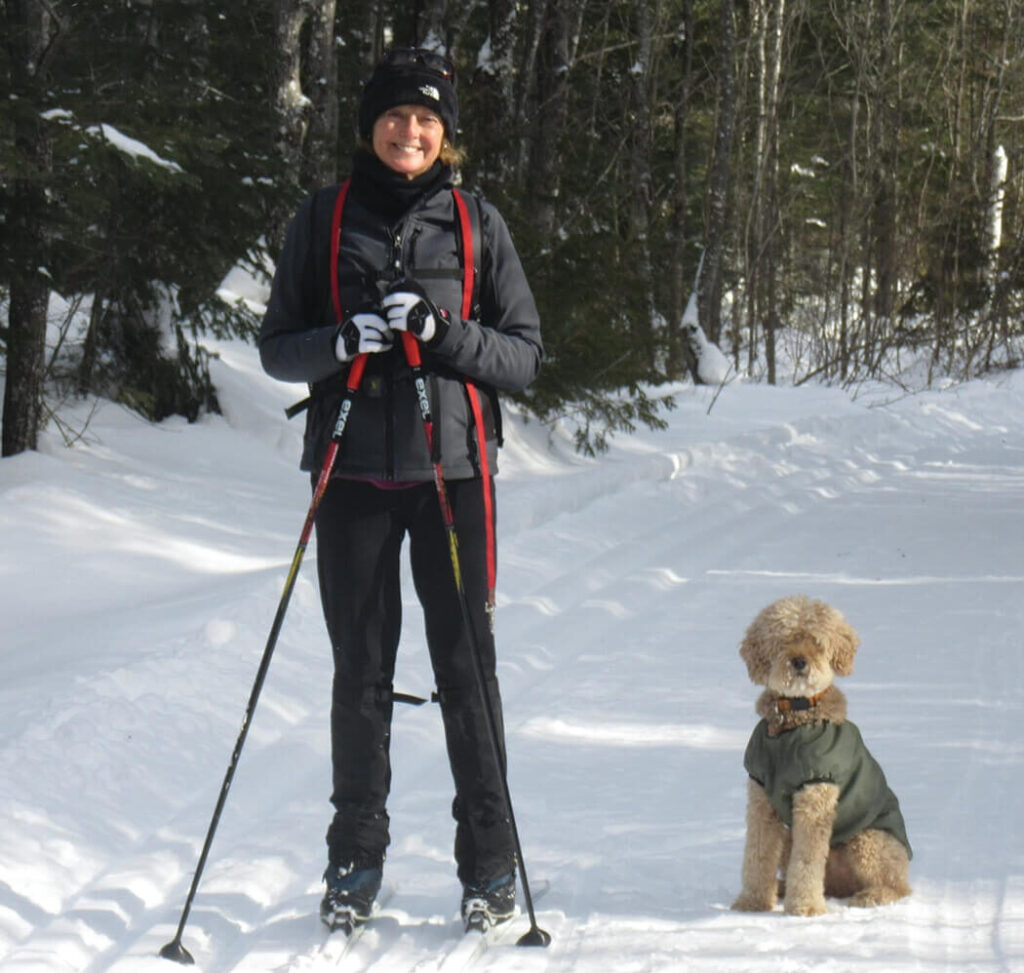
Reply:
x=819, y=814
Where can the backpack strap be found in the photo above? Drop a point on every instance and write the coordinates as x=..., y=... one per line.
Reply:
x=469, y=246
x=470, y=250
x=470, y=220
x=339, y=205
x=339, y=314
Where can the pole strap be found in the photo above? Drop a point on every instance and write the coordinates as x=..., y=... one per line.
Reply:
x=412, y=700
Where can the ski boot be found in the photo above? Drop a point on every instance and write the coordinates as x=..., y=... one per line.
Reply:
x=348, y=901
x=489, y=903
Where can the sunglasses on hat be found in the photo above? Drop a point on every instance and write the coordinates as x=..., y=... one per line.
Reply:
x=417, y=57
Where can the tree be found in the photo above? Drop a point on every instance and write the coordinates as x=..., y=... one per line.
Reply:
x=710, y=284
x=638, y=220
x=830, y=176
x=33, y=36
x=680, y=356
x=763, y=224
x=156, y=182
x=305, y=93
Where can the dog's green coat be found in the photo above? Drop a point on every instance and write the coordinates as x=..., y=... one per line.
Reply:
x=833, y=753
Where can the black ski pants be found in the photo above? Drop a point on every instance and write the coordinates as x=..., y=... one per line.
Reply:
x=360, y=530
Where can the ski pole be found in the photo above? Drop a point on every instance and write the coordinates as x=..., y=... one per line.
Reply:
x=174, y=950
x=534, y=936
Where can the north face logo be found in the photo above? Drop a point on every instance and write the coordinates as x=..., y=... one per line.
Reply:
x=430, y=91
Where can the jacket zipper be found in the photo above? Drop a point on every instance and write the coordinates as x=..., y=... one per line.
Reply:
x=398, y=273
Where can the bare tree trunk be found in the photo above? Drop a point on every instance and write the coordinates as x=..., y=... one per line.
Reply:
x=761, y=244
x=996, y=202
x=290, y=102
x=751, y=277
x=709, y=293
x=290, y=106
x=845, y=269
x=544, y=180
x=640, y=150
x=320, y=165
x=771, y=217
x=680, y=355
x=885, y=137
x=32, y=30
x=857, y=24
x=503, y=59
x=848, y=18
x=998, y=166
x=26, y=350
x=305, y=88
x=527, y=86
x=639, y=211
x=91, y=343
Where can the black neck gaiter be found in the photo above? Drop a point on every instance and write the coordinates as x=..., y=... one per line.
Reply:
x=389, y=193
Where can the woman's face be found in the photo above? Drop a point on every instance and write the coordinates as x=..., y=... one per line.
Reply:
x=408, y=139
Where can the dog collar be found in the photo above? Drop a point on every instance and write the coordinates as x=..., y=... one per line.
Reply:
x=793, y=704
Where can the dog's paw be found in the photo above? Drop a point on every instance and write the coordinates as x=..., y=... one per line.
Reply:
x=748, y=902
x=808, y=907
x=868, y=898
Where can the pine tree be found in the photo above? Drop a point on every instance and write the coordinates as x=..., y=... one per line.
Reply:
x=161, y=172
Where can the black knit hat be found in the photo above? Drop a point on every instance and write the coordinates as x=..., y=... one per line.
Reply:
x=410, y=76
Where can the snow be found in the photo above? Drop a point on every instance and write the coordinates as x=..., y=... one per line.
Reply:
x=713, y=367
x=131, y=147
x=141, y=568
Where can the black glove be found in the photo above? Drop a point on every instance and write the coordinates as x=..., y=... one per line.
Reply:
x=408, y=308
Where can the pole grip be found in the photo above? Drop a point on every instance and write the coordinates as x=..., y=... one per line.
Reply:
x=412, y=350
x=355, y=373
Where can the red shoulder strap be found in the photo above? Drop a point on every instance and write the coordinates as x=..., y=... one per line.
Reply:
x=468, y=282
x=339, y=205
x=466, y=236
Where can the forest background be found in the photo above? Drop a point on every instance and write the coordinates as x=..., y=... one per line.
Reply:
x=842, y=177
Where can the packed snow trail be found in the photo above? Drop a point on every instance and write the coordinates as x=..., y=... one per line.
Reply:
x=140, y=572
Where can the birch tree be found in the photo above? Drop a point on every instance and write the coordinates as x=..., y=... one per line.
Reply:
x=762, y=230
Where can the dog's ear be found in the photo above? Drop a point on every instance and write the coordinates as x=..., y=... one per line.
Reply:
x=841, y=642
x=755, y=651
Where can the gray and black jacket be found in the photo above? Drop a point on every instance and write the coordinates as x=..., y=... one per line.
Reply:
x=498, y=349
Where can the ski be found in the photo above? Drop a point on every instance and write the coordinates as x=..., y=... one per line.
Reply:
x=343, y=935
x=482, y=935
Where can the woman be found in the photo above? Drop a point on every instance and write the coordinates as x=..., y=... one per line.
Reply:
x=399, y=269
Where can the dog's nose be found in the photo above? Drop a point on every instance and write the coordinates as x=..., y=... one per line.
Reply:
x=799, y=663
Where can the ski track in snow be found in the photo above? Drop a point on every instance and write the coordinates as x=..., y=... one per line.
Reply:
x=141, y=570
